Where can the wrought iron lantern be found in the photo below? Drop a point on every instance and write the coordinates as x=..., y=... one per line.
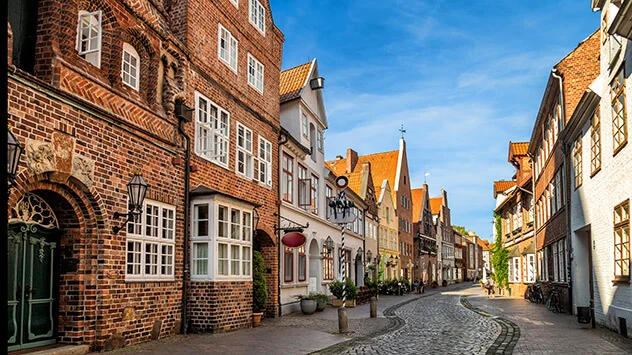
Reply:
x=14, y=151
x=329, y=244
x=369, y=257
x=136, y=190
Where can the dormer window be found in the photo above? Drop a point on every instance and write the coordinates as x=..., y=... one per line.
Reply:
x=89, y=37
x=130, y=67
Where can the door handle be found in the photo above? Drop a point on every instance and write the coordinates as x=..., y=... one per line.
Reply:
x=28, y=291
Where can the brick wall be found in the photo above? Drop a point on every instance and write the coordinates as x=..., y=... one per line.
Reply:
x=220, y=306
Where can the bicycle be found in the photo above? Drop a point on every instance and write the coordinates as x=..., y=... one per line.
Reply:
x=534, y=294
x=553, y=302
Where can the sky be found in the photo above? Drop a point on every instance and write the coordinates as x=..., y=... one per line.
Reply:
x=464, y=77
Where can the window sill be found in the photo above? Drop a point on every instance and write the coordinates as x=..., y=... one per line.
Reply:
x=140, y=280
x=294, y=285
x=619, y=148
x=595, y=172
x=621, y=280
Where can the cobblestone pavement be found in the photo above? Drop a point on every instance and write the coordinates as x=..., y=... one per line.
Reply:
x=431, y=325
x=544, y=332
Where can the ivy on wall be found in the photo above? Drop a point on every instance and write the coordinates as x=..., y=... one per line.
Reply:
x=500, y=257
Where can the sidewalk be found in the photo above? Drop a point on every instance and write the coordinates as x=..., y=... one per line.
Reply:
x=287, y=334
x=545, y=332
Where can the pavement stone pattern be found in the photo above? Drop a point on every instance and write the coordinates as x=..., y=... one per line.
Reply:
x=545, y=332
x=509, y=334
x=432, y=325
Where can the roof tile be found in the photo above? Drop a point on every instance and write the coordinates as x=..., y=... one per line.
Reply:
x=435, y=205
x=292, y=81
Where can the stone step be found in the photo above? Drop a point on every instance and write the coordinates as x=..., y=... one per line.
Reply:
x=55, y=350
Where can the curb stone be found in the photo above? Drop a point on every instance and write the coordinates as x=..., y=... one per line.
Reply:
x=509, y=335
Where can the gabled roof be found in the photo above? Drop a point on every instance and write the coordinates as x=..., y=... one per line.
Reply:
x=517, y=149
x=293, y=80
x=502, y=185
x=435, y=205
x=483, y=243
x=417, y=195
x=383, y=166
x=339, y=166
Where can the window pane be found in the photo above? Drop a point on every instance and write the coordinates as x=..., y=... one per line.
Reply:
x=246, y=225
x=222, y=259
x=234, y=260
x=246, y=257
x=200, y=256
x=222, y=222
x=234, y=233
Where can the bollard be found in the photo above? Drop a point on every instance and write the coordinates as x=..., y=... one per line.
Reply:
x=373, y=307
x=343, y=322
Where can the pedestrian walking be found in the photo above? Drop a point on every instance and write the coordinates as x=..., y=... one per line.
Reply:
x=421, y=286
x=490, y=288
x=416, y=286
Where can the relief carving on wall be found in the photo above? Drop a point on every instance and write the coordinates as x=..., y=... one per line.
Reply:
x=40, y=156
x=83, y=169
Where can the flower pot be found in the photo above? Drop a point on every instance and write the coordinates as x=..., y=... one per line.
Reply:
x=320, y=305
x=256, y=318
x=308, y=306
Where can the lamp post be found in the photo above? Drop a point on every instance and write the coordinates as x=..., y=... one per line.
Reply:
x=14, y=152
x=136, y=190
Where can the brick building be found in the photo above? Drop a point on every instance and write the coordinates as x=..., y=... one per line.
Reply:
x=567, y=82
x=599, y=166
x=516, y=218
x=446, y=270
x=425, y=247
x=93, y=87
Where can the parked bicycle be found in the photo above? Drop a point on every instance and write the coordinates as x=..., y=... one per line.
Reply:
x=534, y=294
x=553, y=303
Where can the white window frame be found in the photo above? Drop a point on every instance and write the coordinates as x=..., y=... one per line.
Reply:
x=264, y=160
x=133, y=71
x=304, y=124
x=213, y=129
x=237, y=232
x=243, y=152
x=157, y=232
x=256, y=72
x=229, y=54
x=95, y=20
x=319, y=139
x=257, y=15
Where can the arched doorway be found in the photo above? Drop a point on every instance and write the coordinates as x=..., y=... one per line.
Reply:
x=359, y=270
x=33, y=273
x=314, y=267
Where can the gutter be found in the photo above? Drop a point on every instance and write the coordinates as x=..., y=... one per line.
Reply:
x=566, y=168
x=283, y=138
x=185, y=269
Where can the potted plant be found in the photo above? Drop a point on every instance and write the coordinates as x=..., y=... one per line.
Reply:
x=260, y=289
x=321, y=301
x=309, y=303
x=351, y=291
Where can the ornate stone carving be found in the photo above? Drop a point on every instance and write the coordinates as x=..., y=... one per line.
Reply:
x=40, y=156
x=83, y=169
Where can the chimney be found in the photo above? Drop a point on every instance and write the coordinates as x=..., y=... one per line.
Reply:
x=352, y=160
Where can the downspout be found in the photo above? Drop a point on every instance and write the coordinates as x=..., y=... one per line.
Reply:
x=282, y=140
x=535, y=216
x=185, y=272
x=567, y=185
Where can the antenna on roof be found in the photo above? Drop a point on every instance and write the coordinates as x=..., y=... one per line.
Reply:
x=403, y=131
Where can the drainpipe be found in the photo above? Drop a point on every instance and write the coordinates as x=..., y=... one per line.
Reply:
x=566, y=168
x=185, y=272
x=535, y=216
x=282, y=140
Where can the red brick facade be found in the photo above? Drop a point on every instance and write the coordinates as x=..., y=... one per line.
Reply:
x=86, y=133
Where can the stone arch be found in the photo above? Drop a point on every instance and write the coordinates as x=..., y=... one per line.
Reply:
x=315, y=264
x=82, y=219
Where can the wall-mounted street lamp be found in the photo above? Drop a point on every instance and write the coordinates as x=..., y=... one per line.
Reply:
x=14, y=151
x=136, y=190
x=329, y=245
x=369, y=257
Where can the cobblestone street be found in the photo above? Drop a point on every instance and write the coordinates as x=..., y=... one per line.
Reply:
x=458, y=319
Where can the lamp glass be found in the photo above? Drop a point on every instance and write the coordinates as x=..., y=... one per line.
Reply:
x=136, y=190
x=14, y=151
x=369, y=255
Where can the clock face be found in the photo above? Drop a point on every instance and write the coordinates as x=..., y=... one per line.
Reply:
x=341, y=182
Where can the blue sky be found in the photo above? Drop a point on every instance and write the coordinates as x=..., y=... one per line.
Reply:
x=464, y=77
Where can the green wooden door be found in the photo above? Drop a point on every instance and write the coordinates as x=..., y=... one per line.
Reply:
x=32, y=284
x=32, y=288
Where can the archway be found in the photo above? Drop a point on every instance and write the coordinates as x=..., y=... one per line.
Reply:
x=359, y=270
x=314, y=267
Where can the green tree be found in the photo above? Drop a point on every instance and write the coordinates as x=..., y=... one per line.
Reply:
x=500, y=257
x=460, y=229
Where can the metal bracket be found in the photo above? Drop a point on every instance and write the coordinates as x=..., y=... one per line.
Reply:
x=291, y=226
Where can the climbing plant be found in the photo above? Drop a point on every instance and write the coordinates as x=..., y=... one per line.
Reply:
x=500, y=257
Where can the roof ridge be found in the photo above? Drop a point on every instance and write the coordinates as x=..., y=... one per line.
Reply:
x=294, y=67
x=390, y=151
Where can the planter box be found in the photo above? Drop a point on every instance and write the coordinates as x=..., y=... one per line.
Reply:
x=348, y=303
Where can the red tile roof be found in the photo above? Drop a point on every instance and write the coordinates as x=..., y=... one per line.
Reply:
x=517, y=149
x=339, y=167
x=383, y=166
x=500, y=186
x=292, y=81
x=417, y=195
x=435, y=205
